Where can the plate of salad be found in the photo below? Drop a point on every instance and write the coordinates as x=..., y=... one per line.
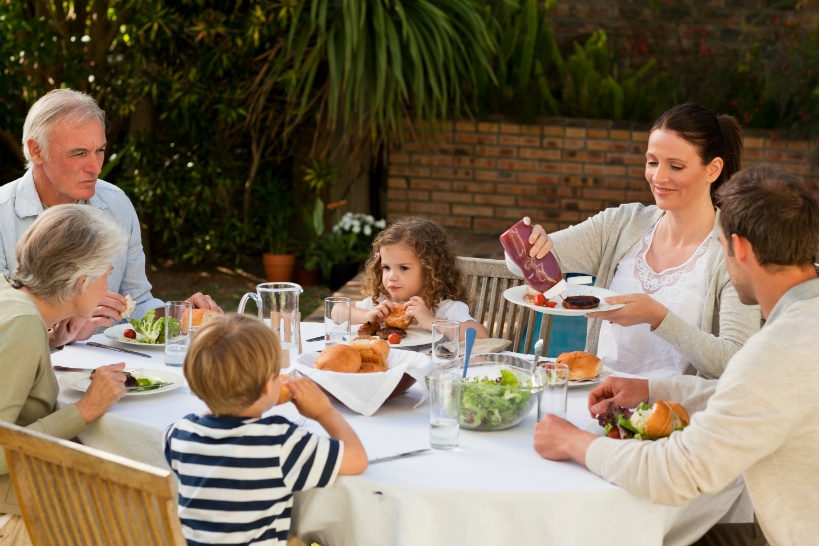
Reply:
x=147, y=331
x=146, y=381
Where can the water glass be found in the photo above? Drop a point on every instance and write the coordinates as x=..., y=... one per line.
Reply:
x=553, y=397
x=446, y=341
x=444, y=410
x=177, y=331
x=336, y=320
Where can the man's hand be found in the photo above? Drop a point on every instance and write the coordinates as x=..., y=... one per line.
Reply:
x=559, y=440
x=622, y=391
x=539, y=239
x=108, y=313
x=107, y=386
x=201, y=301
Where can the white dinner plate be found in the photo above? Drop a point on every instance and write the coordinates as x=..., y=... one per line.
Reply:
x=115, y=333
x=516, y=293
x=80, y=381
x=416, y=336
x=604, y=373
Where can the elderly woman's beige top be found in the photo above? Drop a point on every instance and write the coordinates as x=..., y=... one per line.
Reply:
x=28, y=391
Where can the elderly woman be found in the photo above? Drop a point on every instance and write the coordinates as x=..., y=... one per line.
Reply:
x=63, y=262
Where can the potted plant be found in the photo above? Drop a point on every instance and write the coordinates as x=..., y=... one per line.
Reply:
x=274, y=219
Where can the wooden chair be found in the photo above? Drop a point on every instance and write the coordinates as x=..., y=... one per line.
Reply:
x=486, y=281
x=71, y=495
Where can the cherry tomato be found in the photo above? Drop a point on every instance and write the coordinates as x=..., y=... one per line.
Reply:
x=540, y=300
x=550, y=304
x=130, y=334
x=394, y=338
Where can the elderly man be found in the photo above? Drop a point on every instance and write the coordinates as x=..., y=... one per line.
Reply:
x=64, y=143
x=759, y=418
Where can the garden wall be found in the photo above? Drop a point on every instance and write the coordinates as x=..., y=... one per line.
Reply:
x=485, y=175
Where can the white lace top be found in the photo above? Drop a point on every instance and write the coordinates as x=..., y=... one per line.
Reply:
x=682, y=289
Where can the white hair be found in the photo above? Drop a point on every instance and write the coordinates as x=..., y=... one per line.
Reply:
x=64, y=244
x=53, y=107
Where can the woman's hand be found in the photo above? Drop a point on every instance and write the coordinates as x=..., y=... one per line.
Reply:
x=65, y=331
x=638, y=309
x=417, y=309
x=539, y=239
x=107, y=386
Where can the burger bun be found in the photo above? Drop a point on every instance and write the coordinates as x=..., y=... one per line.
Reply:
x=582, y=365
x=339, y=358
x=374, y=353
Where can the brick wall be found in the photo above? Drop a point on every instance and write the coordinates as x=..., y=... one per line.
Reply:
x=486, y=175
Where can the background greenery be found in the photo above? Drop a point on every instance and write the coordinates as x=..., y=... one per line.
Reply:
x=215, y=106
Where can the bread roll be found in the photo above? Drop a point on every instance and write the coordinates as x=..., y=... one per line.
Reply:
x=339, y=358
x=284, y=394
x=130, y=305
x=198, y=318
x=582, y=365
x=396, y=318
x=374, y=353
x=679, y=416
x=658, y=424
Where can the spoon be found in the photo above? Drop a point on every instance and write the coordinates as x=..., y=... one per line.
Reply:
x=470, y=339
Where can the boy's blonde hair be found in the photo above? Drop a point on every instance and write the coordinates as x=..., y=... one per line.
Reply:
x=433, y=246
x=229, y=362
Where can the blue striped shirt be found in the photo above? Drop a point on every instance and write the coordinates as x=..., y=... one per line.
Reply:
x=237, y=475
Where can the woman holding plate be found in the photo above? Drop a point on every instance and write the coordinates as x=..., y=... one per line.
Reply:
x=681, y=314
x=63, y=262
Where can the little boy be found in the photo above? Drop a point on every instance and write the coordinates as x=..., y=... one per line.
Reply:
x=238, y=470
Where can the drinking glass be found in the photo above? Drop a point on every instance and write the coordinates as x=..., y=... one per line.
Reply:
x=177, y=331
x=553, y=396
x=446, y=341
x=444, y=410
x=336, y=320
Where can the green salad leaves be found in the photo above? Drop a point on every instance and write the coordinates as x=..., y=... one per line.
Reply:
x=494, y=403
x=151, y=330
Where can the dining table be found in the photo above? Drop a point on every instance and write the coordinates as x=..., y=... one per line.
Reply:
x=493, y=488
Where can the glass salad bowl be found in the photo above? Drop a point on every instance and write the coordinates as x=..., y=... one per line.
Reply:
x=498, y=392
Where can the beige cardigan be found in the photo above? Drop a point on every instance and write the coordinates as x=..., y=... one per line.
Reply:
x=596, y=246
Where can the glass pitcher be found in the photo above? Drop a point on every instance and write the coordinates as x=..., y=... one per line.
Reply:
x=278, y=305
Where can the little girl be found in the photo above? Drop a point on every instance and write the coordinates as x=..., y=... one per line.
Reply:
x=413, y=264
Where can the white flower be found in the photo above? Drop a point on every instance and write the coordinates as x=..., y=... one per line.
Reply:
x=381, y=224
x=356, y=228
x=368, y=231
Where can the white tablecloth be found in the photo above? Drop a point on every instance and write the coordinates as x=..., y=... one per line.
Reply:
x=493, y=489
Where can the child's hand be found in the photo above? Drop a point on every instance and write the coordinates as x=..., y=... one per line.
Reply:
x=308, y=398
x=417, y=309
x=381, y=311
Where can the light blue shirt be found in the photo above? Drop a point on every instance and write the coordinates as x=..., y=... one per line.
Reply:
x=20, y=204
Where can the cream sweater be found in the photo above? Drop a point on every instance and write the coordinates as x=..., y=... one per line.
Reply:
x=759, y=419
x=596, y=246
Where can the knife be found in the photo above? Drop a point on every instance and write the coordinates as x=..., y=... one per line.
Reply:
x=398, y=456
x=101, y=346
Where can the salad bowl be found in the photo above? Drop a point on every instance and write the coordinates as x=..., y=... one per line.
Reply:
x=497, y=393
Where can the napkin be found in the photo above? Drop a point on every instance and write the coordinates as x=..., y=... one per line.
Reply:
x=364, y=393
x=487, y=345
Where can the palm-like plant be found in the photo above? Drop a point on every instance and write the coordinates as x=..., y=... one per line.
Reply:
x=369, y=66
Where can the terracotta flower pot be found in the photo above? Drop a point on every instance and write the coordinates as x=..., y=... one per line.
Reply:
x=308, y=277
x=279, y=267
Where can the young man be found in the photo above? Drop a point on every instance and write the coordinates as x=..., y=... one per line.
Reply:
x=64, y=142
x=759, y=418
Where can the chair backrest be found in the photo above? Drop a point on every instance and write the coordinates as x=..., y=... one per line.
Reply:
x=71, y=495
x=486, y=281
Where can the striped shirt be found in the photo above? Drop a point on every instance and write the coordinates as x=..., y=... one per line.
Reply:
x=237, y=475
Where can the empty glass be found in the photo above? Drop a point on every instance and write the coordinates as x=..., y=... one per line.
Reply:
x=444, y=411
x=336, y=320
x=446, y=341
x=554, y=395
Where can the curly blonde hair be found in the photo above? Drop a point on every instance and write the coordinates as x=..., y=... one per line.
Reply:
x=433, y=246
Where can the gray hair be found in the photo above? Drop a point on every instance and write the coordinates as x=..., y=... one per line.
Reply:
x=64, y=244
x=53, y=107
